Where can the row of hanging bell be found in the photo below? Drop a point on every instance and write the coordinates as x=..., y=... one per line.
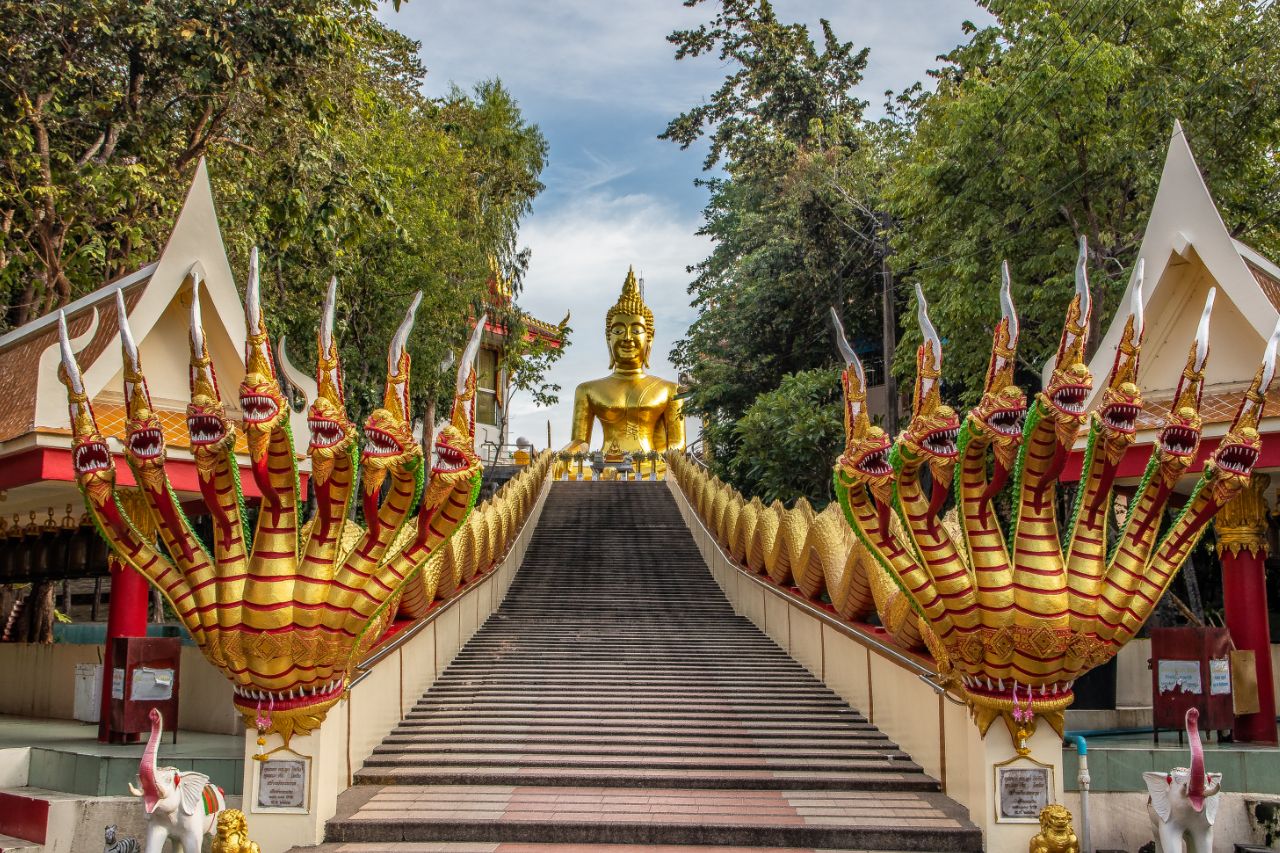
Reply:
x=52, y=550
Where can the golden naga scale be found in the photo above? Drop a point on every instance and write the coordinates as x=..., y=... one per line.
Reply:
x=1016, y=612
x=638, y=413
x=286, y=610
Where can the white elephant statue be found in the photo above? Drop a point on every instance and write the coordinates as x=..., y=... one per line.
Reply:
x=181, y=806
x=1184, y=801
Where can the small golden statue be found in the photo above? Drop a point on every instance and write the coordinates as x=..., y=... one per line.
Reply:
x=1056, y=834
x=638, y=413
x=233, y=834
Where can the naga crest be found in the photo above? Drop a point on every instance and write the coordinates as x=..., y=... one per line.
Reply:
x=866, y=450
x=284, y=608
x=1015, y=616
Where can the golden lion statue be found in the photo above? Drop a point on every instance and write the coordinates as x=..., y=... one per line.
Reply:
x=1056, y=834
x=233, y=834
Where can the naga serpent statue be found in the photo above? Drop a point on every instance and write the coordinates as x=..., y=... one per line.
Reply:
x=287, y=610
x=1016, y=611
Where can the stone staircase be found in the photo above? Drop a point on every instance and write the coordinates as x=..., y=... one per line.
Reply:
x=615, y=699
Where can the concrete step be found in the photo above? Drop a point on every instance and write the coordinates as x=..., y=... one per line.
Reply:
x=596, y=815
x=615, y=699
x=522, y=847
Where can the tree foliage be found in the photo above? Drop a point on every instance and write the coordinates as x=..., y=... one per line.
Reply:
x=322, y=151
x=782, y=432
x=1052, y=124
x=791, y=230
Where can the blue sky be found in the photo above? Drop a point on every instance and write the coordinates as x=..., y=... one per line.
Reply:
x=601, y=82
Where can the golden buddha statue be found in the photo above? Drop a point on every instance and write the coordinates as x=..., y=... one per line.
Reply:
x=638, y=413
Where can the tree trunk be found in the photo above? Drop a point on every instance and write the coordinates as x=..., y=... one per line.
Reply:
x=40, y=613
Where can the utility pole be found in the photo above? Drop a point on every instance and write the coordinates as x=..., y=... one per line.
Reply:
x=889, y=332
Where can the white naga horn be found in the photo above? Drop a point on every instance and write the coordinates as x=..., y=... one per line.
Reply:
x=400, y=341
x=127, y=343
x=326, y=323
x=197, y=326
x=1269, y=359
x=1135, y=304
x=846, y=352
x=469, y=354
x=252, y=297
x=1202, y=331
x=927, y=330
x=1007, y=311
x=69, y=363
x=1082, y=279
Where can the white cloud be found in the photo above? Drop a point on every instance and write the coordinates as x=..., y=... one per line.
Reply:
x=581, y=252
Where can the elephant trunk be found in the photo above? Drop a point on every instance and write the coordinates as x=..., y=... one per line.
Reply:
x=147, y=768
x=1195, y=785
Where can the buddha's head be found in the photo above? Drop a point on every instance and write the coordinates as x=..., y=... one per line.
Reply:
x=628, y=328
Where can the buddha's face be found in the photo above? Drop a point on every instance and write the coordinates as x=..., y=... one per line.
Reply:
x=628, y=341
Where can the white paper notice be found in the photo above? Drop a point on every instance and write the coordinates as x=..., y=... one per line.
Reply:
x=1220, y=677
x=1180, y=674
x=151, y=685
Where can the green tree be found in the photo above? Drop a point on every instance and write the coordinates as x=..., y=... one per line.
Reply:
x=322, y=151
x=792, y=220
x=1052, y=124
x=781, y=434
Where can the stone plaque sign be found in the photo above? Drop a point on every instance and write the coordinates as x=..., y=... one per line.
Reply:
x=281, y=785
x=1021, y=793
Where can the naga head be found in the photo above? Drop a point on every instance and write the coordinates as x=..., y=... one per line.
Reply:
x=865, y=459
x=388, y=432
x=934, y=426
x=1063, y=399
x=332, y=432
x=144, y=437
x=456, y=460
x=1240, y=448
x=212, y=432
x=1121, y=398
x=999, y=415
x=90, y=455
x=261, y=400
x=1180, y=437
